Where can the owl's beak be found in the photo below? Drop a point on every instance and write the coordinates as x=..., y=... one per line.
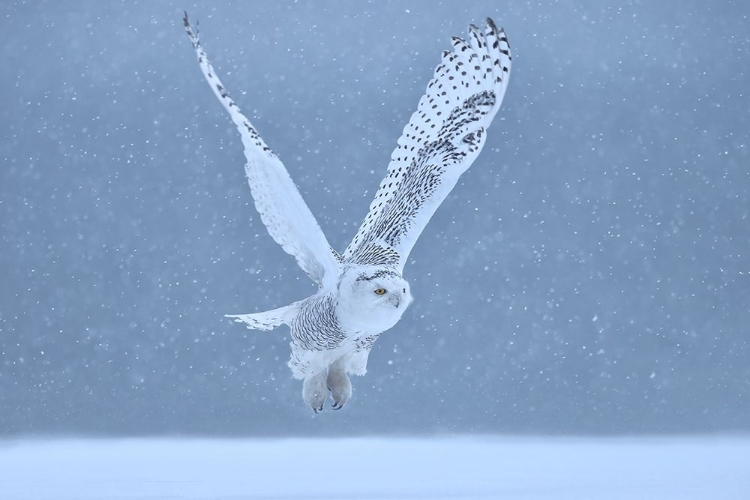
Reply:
x=396, y=301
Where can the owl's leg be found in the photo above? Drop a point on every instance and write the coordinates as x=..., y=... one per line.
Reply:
x=339, y=384
x=315, y=391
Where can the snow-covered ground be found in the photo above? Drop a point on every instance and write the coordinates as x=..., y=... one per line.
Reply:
x=378, y=468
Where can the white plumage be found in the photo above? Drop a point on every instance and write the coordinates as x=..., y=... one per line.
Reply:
x=362, y=292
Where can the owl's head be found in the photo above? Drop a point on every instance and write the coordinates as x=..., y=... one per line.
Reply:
x=372, y=299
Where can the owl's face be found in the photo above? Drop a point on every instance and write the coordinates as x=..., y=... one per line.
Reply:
x=372, y=299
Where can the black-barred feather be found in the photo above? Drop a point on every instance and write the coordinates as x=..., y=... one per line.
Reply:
x=441, y=140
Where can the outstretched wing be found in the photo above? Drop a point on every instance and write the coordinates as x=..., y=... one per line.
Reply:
x=443, y=137
x=282, y=209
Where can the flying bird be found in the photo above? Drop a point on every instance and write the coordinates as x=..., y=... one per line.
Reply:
x=362, y=292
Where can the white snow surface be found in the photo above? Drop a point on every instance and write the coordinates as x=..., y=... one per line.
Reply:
x=377, y=468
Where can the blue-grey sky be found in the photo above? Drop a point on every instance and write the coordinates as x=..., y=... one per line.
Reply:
x=589, y=273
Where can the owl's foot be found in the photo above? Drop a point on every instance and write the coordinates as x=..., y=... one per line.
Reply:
x=315, y=391
x=339, y=385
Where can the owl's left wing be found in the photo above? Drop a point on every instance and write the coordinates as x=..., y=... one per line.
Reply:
x=442, y=139
x=280, y=205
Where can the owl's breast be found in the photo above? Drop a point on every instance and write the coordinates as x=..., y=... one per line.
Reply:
x=317, y=327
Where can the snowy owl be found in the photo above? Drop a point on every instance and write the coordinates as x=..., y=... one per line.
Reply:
x=362, y=292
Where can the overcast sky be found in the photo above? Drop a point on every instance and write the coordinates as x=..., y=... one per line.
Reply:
x=589, y=273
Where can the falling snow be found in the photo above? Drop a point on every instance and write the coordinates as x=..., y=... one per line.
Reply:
x=589, y=274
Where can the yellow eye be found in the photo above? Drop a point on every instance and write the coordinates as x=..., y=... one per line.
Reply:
x=380, y=291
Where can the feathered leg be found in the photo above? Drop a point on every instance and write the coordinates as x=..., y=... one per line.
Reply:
x=339, y=384
x=315, y=391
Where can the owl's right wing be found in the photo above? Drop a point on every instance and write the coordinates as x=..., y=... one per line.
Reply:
x=443, y=137
x=282, y=209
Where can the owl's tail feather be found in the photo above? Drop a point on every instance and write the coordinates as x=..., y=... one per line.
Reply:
x=267, y=320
